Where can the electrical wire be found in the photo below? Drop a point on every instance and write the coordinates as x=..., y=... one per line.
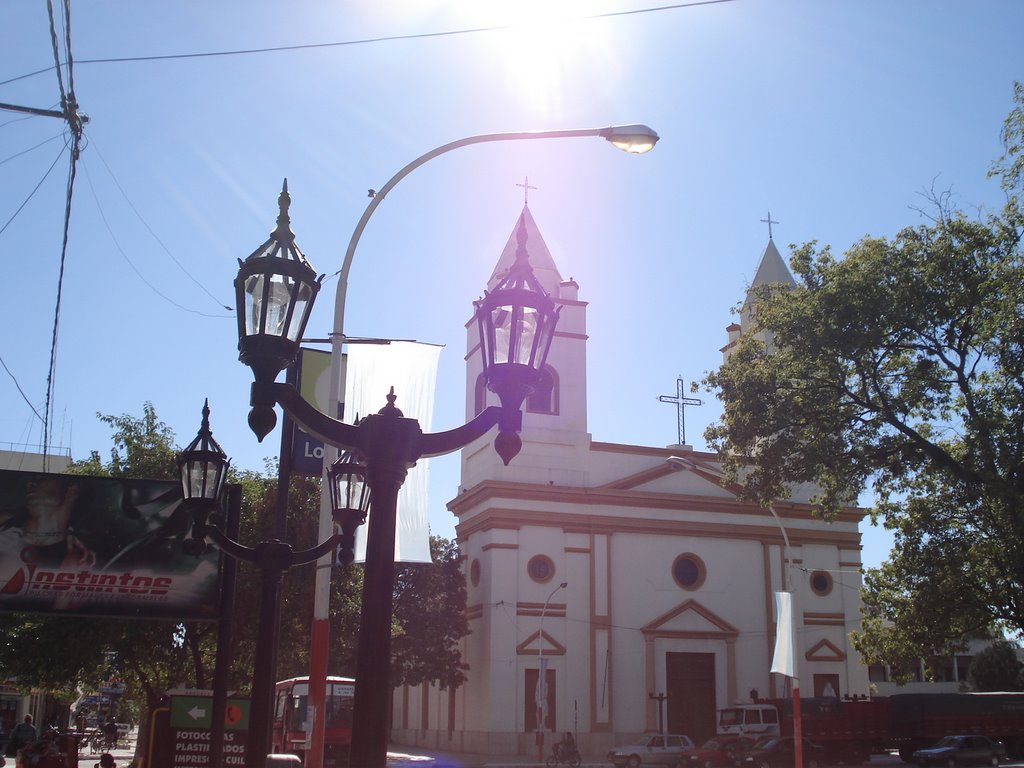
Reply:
x=34, y=190
x=37, y=146
x=149, y=229
x=366, y=40
x=20, y=390
x=56, y=51
x=135, y=269
x=74, y=123
x=56, y=310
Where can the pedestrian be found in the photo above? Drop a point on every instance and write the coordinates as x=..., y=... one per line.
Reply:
x=106, y=761
x=24, y=733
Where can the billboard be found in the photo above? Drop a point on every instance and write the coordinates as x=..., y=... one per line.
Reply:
x=101, y=546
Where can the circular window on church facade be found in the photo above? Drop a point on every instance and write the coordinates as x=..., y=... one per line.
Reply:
x=821, y=583
x=541, y=568
x=474, y=572
x=688, y=570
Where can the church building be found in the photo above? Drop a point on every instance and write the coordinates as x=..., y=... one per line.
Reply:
x=616, y=589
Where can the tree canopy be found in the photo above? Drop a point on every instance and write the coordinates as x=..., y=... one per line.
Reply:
x=900, y=368
x=997, y=668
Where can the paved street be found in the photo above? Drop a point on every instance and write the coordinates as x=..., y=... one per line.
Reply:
x=402, y=757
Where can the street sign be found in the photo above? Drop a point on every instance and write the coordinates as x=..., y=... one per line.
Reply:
x=181, y=734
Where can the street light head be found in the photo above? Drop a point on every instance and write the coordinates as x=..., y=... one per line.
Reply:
x=350, y=501
x=203, y=465
x=274, y=294
x=635, y=139
x=516, y=323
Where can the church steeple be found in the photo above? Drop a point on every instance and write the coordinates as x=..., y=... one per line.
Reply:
x=771, y=270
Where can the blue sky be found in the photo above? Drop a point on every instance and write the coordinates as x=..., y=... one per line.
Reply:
x=836, y=116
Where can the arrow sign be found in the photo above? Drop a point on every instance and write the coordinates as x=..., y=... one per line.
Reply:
x=197, y=712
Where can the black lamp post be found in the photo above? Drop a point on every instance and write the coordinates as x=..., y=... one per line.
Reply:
x=517, y=322
x=202, y=468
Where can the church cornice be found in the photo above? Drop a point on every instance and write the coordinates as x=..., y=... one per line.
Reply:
x=627, y=497
x=498, y=518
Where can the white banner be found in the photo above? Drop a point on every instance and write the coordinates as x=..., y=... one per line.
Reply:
x=783, y=662
x=411, y=368
x=541, y=692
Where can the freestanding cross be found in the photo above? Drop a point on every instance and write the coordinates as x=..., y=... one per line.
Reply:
x=769, y=221
x=526, y=190
x=681, y=403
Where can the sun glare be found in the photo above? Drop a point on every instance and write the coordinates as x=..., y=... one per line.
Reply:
x=545, y=45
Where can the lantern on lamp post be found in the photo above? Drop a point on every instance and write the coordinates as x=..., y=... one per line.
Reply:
x=350, y=501
x=274, y=294
x=517, y=324
x=202, y=467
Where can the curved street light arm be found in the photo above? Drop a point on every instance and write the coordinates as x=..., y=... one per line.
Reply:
x=613, y=134
x=607, y=133
x=440, y=443
x=230, y=546
x=259, y=554
x=315, y=553
x=342, y=435
x=332, y=431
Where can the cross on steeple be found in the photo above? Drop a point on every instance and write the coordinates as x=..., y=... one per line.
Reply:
x=681, y=403
x=769, y=222
x=526, y=190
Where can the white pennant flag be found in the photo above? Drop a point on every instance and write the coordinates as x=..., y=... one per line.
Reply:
x=411, y=368
x=783, y=663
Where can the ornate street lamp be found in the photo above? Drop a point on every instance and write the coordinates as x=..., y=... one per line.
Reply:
x=386, y=442
x=350, y=501
x=274, y=294
x=202, y=468
x=517, y=323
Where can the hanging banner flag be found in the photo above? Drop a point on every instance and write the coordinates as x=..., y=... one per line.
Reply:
x=411, y=368
x=314, y=386
x=541, y=693
x=783, y=663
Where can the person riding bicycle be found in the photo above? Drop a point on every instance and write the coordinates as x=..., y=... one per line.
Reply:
x=110, y=733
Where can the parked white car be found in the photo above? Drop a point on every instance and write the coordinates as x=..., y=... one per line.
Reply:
x=659, y=749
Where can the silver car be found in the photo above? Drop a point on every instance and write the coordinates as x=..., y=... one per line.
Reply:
x=659, y=749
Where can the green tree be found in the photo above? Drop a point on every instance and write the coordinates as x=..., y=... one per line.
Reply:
x=430, y=619
x=997, y=668
x=900, y=367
